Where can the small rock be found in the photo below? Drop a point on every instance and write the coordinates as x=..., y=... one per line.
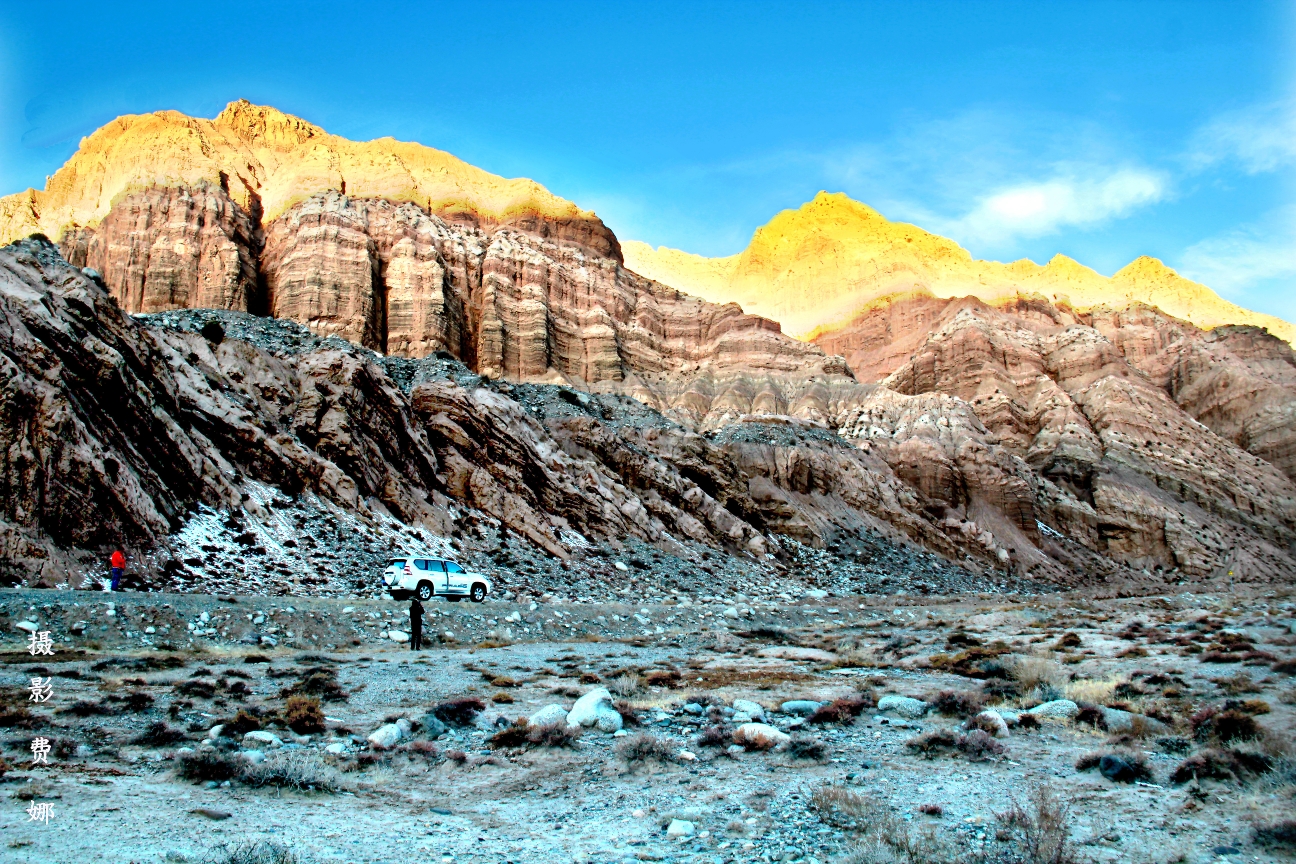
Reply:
x=731, y=612
x=27, y=626
x=734, y=749
x=799, y=707
x=260, y=736
x=256, y=757
x=679, y=828
x=739, y=718
x=430, y=726
x=1058, y=709
x=621, y=566
x=337, y=749
x=398, y=636
x=687, y=756
x=547, y=715
x=210, y=813
x=1117, y=720
x=386, y=736
x=1012, y=718
x=905, y=706
x=693, y=708
x=759, y=736
x=752, y=709
x=215, y=732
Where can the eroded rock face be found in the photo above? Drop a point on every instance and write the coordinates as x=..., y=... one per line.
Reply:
x=174, y=248
x=525, y=299
x=1099, y=406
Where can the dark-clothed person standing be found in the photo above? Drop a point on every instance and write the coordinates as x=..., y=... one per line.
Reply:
x=416, y=624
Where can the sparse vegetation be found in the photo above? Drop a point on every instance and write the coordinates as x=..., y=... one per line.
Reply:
x=644, y=747
x=303, y=715
x=293, y=769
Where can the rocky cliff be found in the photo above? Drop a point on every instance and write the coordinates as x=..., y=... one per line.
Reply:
x=1169, y=442
x=816, y=268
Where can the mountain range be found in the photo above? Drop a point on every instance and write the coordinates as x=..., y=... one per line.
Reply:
x=407, y=337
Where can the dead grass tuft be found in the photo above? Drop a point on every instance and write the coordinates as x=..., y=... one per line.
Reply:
x=253, y=852
x=642, y=748
x=303, y=715
x=294, y=769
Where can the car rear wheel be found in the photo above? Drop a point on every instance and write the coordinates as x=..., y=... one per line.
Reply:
x=424, y=591
x=478, y=592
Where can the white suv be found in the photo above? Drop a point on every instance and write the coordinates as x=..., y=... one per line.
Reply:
x=426, y=578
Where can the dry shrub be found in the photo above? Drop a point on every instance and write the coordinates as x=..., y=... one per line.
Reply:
x=294, y=769
x=1040, y=830
x=958, y=703
x=1220, y=657
x=79, y=708
x=318, y=681
x=1069, y=640
x=714, y=736
x=425, y=749
x=252, y=852
x=524, y=734
x=1285, y=667
x=159, y=734
x=931, y=809
x=134, y=702
x=985, y=724
x=803, y=746
x=1035, y=672
x=932, y=742
x=1219, y=763
x=244, y=721
x=1029, y=721
x=1277, y=835
x=974, y=662
x=978, y=745
x=1091, y=690
x=502, y=698
x=626, y=685
x=1122, y=765
x=839, y=711
x=459, y=757
x=458, y=712
x=636, y=749
x=302, y=714
x=661, y=678
x=629, y=716
x=1259, y=658
x=1236, y=685
x=204, y=765
x=1225, y=726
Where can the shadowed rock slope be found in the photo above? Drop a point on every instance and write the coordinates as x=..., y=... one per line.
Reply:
x=187, y=434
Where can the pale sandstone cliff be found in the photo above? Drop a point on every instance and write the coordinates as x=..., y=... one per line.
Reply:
x=268, y=161
x=815, y=268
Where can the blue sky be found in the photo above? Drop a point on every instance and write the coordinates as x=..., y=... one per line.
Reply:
x=1101, y=131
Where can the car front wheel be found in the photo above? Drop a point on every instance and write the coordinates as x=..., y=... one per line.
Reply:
x=424, y=591
x=478, y=593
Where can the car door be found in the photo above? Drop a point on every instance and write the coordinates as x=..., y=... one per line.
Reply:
x=457, y=578
x=437, y=575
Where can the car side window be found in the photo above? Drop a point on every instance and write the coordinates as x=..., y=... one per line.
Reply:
x=452, y=567
x=420, y=563
x=435, y=567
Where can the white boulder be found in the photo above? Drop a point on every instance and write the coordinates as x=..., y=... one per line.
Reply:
x=1058, y=709
x=760, y=736
x=548, y=715
x=260, y=736
x=905, y=706
x=586, y=710
x=385, y=736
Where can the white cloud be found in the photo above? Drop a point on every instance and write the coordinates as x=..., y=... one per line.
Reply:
x=1254, y=259
x=1259, y=138
x=1071, y=198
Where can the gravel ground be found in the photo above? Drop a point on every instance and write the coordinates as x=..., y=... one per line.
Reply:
x=456, y=798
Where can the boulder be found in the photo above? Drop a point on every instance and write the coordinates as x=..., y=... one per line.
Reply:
x=1117, y=769
x=430, y=726
x=398, y=636
x=679, y=828
x=1116, y=720
x=267, y=739
x=215, y=732
x=751, y=709
x=337, y=748
x=27, y=626
x=385, y=736
x=607, y=718
x=1058, y=709
x=254, y=757
x=905, y=706
x=992, y=722
x=759, y=736
x=547, y=715
x=585, y=711
x=800, y=707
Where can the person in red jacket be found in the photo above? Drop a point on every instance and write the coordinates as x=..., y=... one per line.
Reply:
x=118, y=563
